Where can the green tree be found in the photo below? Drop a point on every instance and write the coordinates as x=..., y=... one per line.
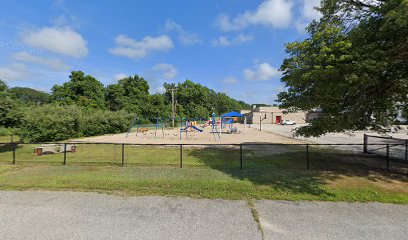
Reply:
x=196, y=100
x=115, y=97
x=82, y=90
x=130, y=94
x=29, y=95
x=3, y=86
x=353, y=66
x=10, y=111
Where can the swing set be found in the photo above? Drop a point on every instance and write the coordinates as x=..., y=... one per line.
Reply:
x=159, y=125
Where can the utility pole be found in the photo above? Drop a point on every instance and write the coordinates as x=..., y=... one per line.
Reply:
x=173, y=105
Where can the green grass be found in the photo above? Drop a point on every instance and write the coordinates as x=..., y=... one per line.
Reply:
x=4, y=139
x=207, y=172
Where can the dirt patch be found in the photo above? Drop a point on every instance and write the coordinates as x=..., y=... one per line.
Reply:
x=373, y=180
x=169, y=136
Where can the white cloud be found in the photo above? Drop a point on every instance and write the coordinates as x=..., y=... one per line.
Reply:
x=271, y=13
x=261, y=72
x=159, y=89
x=230, y=80
x=184, y=37
x=61, y=40
x=308, y=10
x=168, y=71
x=55, y=64
x=120, y=76
x=224, y=41
x=128, y=47
x=12, y=72
x=308, y=13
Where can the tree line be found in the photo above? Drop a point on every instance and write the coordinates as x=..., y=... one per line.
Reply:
x=83, y=106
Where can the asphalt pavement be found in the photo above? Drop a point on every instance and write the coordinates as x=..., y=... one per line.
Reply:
x=73, y=215
x=328, y=220
x=70, y=215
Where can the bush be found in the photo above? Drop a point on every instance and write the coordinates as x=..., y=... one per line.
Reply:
x=55, y=123
x=97, y=122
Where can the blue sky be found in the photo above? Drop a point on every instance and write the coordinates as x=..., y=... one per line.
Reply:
x=233, y=46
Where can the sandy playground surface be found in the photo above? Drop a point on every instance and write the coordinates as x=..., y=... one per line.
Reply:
x=246, y=135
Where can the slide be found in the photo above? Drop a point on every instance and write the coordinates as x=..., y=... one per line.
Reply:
x=196, y=128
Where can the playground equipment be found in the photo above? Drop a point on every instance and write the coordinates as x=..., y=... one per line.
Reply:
x=190, y=126
x=214, y=127
x=229, y=119
x=144, y=129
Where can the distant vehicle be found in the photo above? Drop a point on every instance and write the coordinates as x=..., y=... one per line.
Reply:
x=288, y=122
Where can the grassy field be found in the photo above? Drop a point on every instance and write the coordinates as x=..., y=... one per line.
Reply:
x=207, y=172
x=4, y=139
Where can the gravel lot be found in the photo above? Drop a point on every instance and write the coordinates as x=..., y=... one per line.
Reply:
x=71, y=215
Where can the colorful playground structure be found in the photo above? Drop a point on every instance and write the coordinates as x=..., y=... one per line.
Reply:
x=187, y=126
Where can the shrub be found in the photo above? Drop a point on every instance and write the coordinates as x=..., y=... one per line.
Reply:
x=55, y=123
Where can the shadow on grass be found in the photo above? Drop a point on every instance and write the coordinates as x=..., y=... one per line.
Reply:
x=6, y=148
x=284, y=167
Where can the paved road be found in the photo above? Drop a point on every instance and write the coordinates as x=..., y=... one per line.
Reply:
x=70, y=215
x=340, y=138
x=326, y=220
x=356, y=137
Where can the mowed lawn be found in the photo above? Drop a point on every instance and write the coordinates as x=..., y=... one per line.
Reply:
x=208, y=172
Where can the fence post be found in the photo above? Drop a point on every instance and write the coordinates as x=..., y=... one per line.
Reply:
x=181, y=155
x=240, y=153
x=65, y=153
x=406, y=150
x=307, y=156
x=387, y=159
x=14, y=146
x=365, y=143
x=123, y=154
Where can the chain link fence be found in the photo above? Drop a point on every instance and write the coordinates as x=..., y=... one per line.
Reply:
x=257, y=157
x=397, y=148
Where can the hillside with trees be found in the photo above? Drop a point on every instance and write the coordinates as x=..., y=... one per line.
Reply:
x=83, y=106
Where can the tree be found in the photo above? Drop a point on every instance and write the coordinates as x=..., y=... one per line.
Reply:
x=114, y=98
x=3, y=86
x=29, y=95
x=130, y=94
x=196, y=100
x=82, y=90
x=10, y=111
x=353, y=66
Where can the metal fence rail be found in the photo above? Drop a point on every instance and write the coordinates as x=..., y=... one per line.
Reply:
x=398, y=148
x=298, y=157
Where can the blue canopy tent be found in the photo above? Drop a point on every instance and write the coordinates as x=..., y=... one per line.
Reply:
x=230, y=116
x=233, y=114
